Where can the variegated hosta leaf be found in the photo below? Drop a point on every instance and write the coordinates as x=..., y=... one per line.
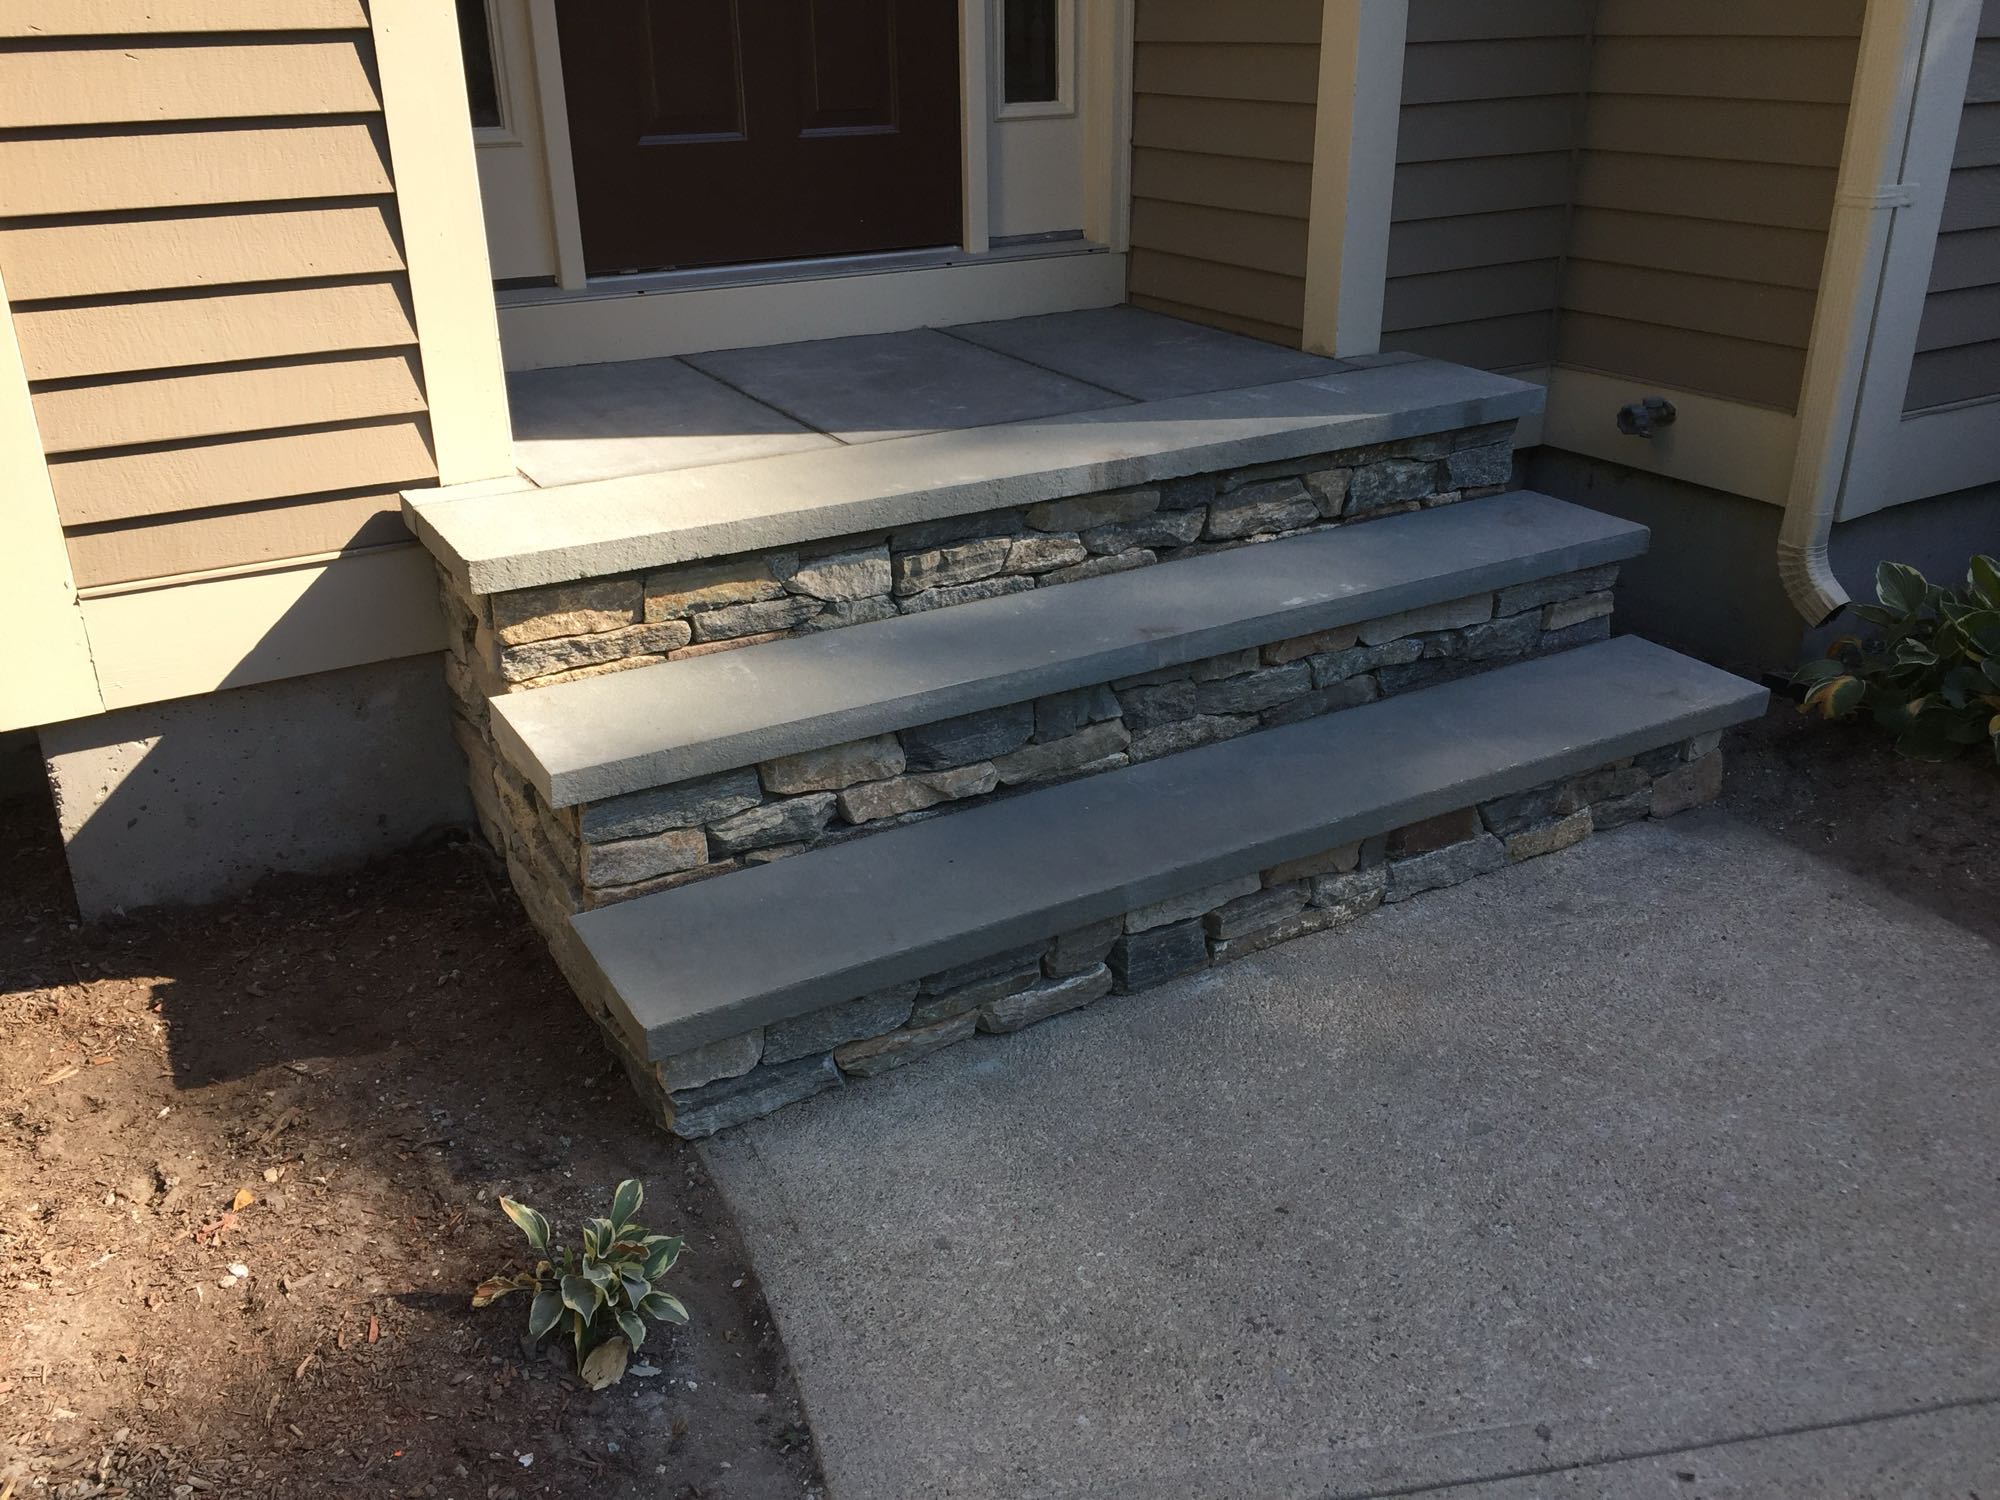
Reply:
x=626, y=1200
x=663, y=1307
x=544, y=1313
x=663, y=1251
x=579, y=1295
x=600, y=1276
x=530, y=1223
x=636, y=1288
x=634, y=1328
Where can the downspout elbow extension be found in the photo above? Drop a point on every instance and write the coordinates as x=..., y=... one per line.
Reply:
x=1804, y=570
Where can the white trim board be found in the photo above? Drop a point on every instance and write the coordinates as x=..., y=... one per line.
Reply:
x=206, y=634
x=51, y=676
x=1893, y=458
x=1720, y=445
x=599, y=328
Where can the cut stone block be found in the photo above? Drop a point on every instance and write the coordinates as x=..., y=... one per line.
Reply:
x=1063, y=714
x=1259, y=909
x=1039, y=762
x=972, y=996
x=675, y=595
x=768, y=617
x=628, y=861
x=1540, y=591
x=1351, y=692
x=1045, y=1000
x=567, y=609
x=1567, y=612
x=835, y=767
x=1330, y=862
x=1100, y=567
x=731, y=1101
x=962, y=562
x=1690, y=786
x=1187, y=734
x=971, y=737
x=1082, y=948
x=1086, y=511
x=1143, y=959
x=1450, y=615
x=569, y=653
x=908, y=794
x=1548, y=838
x=686, y=804
x=1447, y=866
x=1254, y=691
x=966, y=593
x=1434, y=833
x=1355, y=894
x=842, y=576
x=729, y=1058
x=1395, y=481
x=794, y=820
x=1193, y=904
x=1166, y=528
x=881, y=1054
x=853, y=1021
x=1040, y=554
x=1280, y=505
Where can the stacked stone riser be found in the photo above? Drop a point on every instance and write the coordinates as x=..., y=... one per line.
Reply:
x=631, y=845
x=740, y=1078
x=536, y=637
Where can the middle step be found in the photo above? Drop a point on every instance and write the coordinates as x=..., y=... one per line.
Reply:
x=605, y=737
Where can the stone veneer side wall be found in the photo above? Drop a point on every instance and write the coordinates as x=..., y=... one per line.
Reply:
x=740, y=1078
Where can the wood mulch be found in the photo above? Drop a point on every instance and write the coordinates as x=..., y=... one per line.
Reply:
x=326, y=1085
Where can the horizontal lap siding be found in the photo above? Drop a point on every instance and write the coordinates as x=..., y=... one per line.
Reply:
x=199, y=239
x=1491, y=103
x=1711, y=141
x=1958, y=342
x=1222, y=147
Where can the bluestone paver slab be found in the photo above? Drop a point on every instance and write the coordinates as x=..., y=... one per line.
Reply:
x=876, y=386
x=639, y=417
x=1681, y=1136
x=602, y=736
x=701, y=962
x=1145, y=355
x=520, y=538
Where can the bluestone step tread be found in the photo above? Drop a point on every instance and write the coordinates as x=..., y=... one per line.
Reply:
x=711, y=960
x=496, y=538
x=602, y=736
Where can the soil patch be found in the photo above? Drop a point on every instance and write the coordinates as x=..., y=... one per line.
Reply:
x=1928, y=833
x=373, y=1058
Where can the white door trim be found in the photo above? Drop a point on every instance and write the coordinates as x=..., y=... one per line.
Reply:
x=1892, y=457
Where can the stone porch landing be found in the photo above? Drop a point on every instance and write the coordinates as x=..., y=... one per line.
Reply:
x=651, y=416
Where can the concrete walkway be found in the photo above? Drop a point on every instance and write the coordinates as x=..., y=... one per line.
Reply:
x=1665, y=1167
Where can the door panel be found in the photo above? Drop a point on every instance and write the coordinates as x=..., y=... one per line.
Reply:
x=707, y=132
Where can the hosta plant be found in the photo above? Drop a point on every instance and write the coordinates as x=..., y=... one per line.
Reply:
x=600, y=1295
x=1932, y=675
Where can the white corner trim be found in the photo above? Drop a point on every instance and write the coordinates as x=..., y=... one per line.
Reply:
x=1353, y=173
x=1720, y=445
x=444, y=236
x=558, y=166
x=975, y=127
x=1886, y=459
x=52, y=677
x=599, y=328
x=206, y=634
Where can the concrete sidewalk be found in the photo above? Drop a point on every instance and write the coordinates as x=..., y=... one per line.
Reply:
x=1662, y=1167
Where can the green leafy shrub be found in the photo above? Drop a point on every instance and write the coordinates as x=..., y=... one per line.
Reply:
x=1932, y=677
x=603, y=1293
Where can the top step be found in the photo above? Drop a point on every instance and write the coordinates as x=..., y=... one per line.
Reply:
x=494, y=539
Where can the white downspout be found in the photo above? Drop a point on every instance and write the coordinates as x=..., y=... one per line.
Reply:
x=1869, y=192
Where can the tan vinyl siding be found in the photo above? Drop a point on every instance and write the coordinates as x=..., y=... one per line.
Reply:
x=1958, y=342
x=1491, y=103
x=1711, y=140
x=1222, y=145
x=199, y=235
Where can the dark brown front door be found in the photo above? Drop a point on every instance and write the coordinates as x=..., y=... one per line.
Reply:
x=707, y=132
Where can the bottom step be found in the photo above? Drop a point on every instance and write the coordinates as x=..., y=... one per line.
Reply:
x=749, y=983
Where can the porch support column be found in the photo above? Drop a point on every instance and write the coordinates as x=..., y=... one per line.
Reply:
x=444, y=237
x=1353, y=173
x=52, y=677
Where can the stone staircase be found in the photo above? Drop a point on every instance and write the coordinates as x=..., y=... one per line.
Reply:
x=809, y=765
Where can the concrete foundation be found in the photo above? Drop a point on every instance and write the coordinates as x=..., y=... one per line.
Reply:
x=1709, y=584
x=194, y=799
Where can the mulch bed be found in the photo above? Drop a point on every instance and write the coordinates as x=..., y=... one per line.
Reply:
x=1929, y=834
x=365, y=1062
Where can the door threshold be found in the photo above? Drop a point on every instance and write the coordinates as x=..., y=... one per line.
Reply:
x=823, y=268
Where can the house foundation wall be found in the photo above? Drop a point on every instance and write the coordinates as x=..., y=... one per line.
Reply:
x=194, y=799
